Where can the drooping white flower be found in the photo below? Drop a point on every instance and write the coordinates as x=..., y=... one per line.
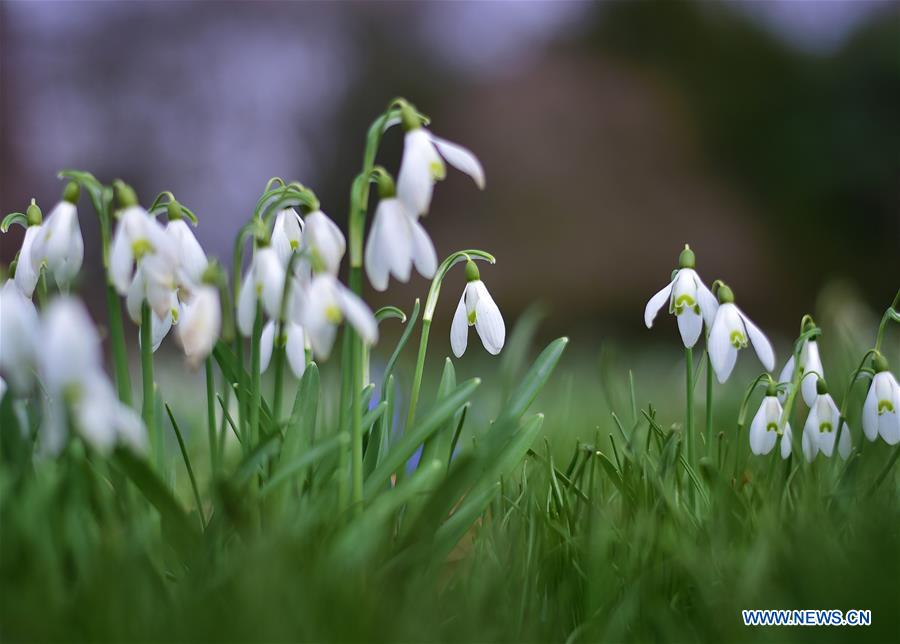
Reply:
x=396, y=242
x=731, y=331
x=324, y=305
x=688, y=298
x=423, y=165
x=764, y=428
x=163, y=300
x=71, y=370
x=59, y=245
x=324, y=242
x=137, y=238
x=287, y=234
x=200, y=324
x=3, y=388
x=19, y=336
x=294, y=346
x=263, y=282
x=26, y=276
x=477, y=308
x=810, y=369
x=881, y=410
x=192, y=260
x=820, y=430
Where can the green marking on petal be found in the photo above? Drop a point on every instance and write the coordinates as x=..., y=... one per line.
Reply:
x=685, y=301
x=738, y=340
x=772, y=427
x=825, y=427
x=885, y=406
x=141, y=247
x=472, y=315
x=294, y=244
x=333, y=314
x=438, y=170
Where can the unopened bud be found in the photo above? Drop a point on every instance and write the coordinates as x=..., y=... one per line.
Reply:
x=687, y=259
x=472, y=272
x=33, y=214
x=72, y=192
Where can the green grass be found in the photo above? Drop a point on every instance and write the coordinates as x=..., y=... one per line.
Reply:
x=575, y=525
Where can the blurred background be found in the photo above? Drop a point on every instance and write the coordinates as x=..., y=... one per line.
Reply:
x=765, y=134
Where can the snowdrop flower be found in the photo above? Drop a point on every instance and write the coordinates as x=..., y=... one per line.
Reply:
x=70, y=361
x=191, y=258
x=688, y=298
x=476, y=308
x=26, y=274
x=810, y=371
x=324, y=305
x=3, y=388
x=200, y=324
x=397, y=241
x=163, y=299
x=881, y=410
x=294, y=342
x=263, y=282
x=821, y=427
x=324, y=241
x=18, y=336
x=764, y=428
x=423, y=164
x=140, y=240
x=287, y=234
x=731, y=331
x=59, y=244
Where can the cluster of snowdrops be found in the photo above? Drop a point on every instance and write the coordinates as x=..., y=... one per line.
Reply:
x=729, y=330
x=289, y=302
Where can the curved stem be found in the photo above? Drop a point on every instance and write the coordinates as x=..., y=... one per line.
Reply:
x=891, y=313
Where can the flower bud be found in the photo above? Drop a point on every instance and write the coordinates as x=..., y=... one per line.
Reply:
x=879, y=363
x=687, y=259
x=72, y=192
x=408, y=117
x=472, y=273
x=125, y=195
x=386, y=187
x=821, y=387
x=725, y=294
x=771, y=389
x=33, y=214
x=173, y=211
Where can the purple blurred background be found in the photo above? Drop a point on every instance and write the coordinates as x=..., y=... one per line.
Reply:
x=763, y=133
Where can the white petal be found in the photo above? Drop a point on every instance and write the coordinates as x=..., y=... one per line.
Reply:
x=120, y=259
x=708, y=303
x=415, y=181
x=159, y=328
x=190, y=254
x=461, y=159
x=200, y=324
x=786, y=441
x=812, y=371
x=134, y=298
x=390, y=244
x=70, y=344
x=246, y=312
x=377, y=258
x=325, y=239
x=459, y=330
x=423, y=253
x=760, y=343
x=689, y=324
x=870, y=413
x=296, y=348
x=787, y=373
x=758, y=442
x=656, y=303
x=26, y=273
x=810, y=439
x=266, y=345
x=488, y=320
x=845, y=441
x=359, y=316
x=722, y=353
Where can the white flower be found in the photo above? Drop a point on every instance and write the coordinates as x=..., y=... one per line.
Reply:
x=59, y=244
x=263, y=282
x=396, y=242
x=294, y=346
x=26, y=275
x=764, y=428
x=19, y=336
x=422, y=165
x=810, y=369
x=3, y=388
x=881, y=410
x=324, y=241
x=137, y=238
x=162, y=297
x=324, y=305
x=731, y=331
x=821, y=427
x=689, y=300
x=476, y=307
x=287, y=234
x=191, y=258
x=71, y=371
x=200, y=324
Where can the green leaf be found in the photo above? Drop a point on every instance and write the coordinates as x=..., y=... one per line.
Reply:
x=390, y=313
x=13, y=218
x=292, y=467
x=411, y=439
x=436, y=444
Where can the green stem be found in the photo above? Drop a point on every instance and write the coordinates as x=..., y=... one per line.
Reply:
x=255, y=394
x=148, y=404
x=42, y=288
x=211, y=417
x=117, y=345
x=709, y=401
x=280, y=339
x=891, y=313
x=689, y=405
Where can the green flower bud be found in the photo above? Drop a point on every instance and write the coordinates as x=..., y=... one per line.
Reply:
x=771, y=388
x=687, y=259
x=72, y=192
x=879, y=363
x=173, y=211
x=125, y=195
x=386, y=187
x=472, y=273
x=33, y=214
x=725, y=294
x=408, y=117
x=821, y=387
